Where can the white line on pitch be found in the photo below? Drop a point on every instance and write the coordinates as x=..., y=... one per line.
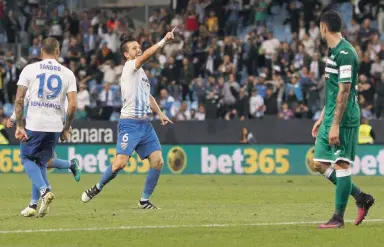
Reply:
x=169, y=226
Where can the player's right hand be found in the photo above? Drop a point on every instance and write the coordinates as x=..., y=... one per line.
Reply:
x=65, y=135
x=315, y=129
x=21, y=134
x=9, y=123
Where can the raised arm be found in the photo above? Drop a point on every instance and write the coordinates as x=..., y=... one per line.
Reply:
x=153, y=49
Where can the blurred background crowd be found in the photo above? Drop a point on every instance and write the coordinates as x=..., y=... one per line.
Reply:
x=231, y=59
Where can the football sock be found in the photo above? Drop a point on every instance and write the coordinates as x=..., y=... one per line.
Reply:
x=107, y=177
x=343, y=190
x=330, y=174
x=35, y=196
x=150, y=183
x=61, y=164
x=43, y=170
x=34, y=174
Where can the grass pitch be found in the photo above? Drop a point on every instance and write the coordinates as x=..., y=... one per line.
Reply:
x=196, y=211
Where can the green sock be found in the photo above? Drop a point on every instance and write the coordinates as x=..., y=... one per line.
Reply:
x=330, y=174
x=343, y=190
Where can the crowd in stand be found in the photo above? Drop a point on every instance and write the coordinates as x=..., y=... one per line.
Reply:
x=224, y=62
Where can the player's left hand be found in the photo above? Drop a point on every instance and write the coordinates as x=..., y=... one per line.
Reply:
x=164, y=119
x=170, y=35
x=21, y=134
x=9, y=123
x=333, y=136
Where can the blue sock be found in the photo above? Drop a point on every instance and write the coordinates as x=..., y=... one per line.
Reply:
x=150, y=183
x=34, y=174
x=35, y=196
x=43, y=170
x=61, y=164
x=107, y=176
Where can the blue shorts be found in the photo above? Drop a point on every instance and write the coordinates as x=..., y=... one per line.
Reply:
x=136, y=135
x=39, y=147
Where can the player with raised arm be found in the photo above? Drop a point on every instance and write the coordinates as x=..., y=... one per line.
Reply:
x=135, y=130
x=337, y=129
x=49, y=84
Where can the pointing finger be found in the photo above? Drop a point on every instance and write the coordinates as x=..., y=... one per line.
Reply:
x=173, y=29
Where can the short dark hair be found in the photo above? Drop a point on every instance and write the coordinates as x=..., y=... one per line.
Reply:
x=333, y=21
x=49, y=45
x=124, y=41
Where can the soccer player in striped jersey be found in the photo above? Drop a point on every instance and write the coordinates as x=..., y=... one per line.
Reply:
x=135, y=130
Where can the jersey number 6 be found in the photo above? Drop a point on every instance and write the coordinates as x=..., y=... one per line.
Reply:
x=54, y=84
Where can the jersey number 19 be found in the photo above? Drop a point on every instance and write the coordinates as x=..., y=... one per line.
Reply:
x=53, y=83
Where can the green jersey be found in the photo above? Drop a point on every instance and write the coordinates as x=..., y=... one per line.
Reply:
x=341, y=67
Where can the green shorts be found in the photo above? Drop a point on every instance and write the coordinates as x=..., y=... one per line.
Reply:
x=345, y=151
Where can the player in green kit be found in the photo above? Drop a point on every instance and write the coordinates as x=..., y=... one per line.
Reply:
x=337, y=129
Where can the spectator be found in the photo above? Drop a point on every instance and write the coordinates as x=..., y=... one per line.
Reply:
x=309, y=44
x=270, y=46
x=366, y=89
x=285, y=113
x=34, y=50
x=212, y=105
x=104, y=53
x=366, y=133
x=242, y=105
x=114, y=23
x=83, y=101
x=232, y=114
x=246, y=136
x=12, y=26
x=317, y=67
x=227, y=67
x=167, y=103
x=377, y=67
x=13, y=74
x=200, y=115
x=380, y=97
x=271, y=107
x=85, y=23
x=213, y=22
x=256, y=105
x=4, y=138
x=260, y=85
x=230, y=92
x=261, y=12
x=111, y=39
x=106, y=98
x=2, y=84
x=314, y=31
x=110, y=72
x=183, y=113
x=212, y=61
x=191, y=24
x=301, y=58
x=365, y=33
x=302, y=111
x=293, y=92
x=198, y=89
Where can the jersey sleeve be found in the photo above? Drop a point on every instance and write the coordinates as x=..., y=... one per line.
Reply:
x=24, y=78
x=72, y=87
x=346, y=66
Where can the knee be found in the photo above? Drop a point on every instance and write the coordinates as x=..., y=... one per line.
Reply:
x=117, y=166
x=157, y=163
x=318, y=166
